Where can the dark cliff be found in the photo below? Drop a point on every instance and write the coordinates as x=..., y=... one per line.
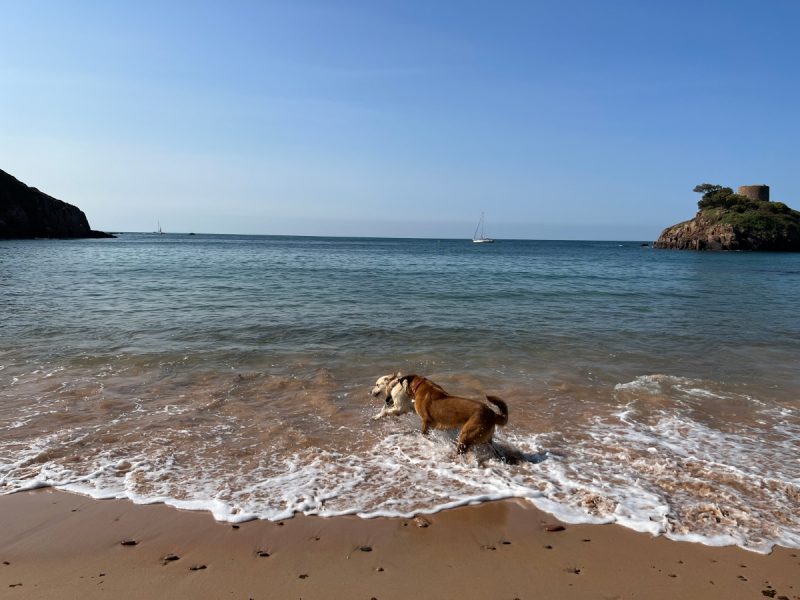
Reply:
x=26, y=213
x=728, y=221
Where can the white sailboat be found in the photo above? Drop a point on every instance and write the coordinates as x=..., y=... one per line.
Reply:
x=482, y=239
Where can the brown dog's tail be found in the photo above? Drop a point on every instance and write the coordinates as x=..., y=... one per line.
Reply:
x=502, y=418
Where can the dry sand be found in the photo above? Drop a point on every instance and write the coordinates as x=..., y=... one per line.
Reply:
x=59, y=545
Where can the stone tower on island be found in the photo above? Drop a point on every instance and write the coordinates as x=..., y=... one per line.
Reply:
x=755, y=192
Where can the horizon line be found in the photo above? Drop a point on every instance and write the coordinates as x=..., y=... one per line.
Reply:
x=368, y=237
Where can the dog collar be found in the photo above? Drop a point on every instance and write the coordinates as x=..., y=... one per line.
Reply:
x=415, y=385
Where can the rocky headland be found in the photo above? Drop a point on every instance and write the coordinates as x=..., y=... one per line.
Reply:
x=746, y=220
x=27, y=213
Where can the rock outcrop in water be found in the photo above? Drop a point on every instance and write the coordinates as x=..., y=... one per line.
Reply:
x=728, y=221
x=27, y=213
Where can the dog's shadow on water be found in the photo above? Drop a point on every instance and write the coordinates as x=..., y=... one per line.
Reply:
x=495, y=451
x=510, y=455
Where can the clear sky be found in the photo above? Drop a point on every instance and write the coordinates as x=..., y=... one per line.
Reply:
x=560, y=120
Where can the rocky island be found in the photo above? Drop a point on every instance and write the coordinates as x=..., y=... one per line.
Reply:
x=746, y=220
x=27, y=213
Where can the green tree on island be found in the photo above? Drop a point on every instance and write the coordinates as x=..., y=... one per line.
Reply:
x=706, y=188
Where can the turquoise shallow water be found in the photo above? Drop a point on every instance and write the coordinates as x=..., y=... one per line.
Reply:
x=578, y=304
x=255, y=353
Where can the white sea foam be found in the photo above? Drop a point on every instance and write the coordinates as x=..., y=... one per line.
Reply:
x=652, y=468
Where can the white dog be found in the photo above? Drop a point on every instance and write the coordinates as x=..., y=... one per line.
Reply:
x=396, y=400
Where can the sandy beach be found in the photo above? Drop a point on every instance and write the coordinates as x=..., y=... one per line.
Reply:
x=60, y=545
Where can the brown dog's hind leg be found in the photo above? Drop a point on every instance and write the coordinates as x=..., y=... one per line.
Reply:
x=474, y=431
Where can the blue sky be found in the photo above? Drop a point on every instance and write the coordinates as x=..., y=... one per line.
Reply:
x=560, y=120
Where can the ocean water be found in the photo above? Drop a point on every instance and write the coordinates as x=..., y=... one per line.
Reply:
x=652, y=388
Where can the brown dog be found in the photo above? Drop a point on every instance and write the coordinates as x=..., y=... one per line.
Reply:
x=440, y=410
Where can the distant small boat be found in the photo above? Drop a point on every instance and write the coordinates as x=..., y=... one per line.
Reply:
x=482, y=239
x=159, y=232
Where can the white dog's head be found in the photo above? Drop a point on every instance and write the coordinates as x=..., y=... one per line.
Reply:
x=384, y=385
x=393, y=394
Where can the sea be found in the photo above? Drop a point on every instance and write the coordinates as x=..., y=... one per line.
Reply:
x=655, y=389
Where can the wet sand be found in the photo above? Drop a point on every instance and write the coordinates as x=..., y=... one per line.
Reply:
x=60, y=545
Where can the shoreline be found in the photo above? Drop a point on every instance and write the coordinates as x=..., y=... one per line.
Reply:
x=57, y=544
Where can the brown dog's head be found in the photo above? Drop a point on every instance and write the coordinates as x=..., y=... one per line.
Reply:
x=405, y=382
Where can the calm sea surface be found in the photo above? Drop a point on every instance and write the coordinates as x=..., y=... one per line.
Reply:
x=657, y=389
